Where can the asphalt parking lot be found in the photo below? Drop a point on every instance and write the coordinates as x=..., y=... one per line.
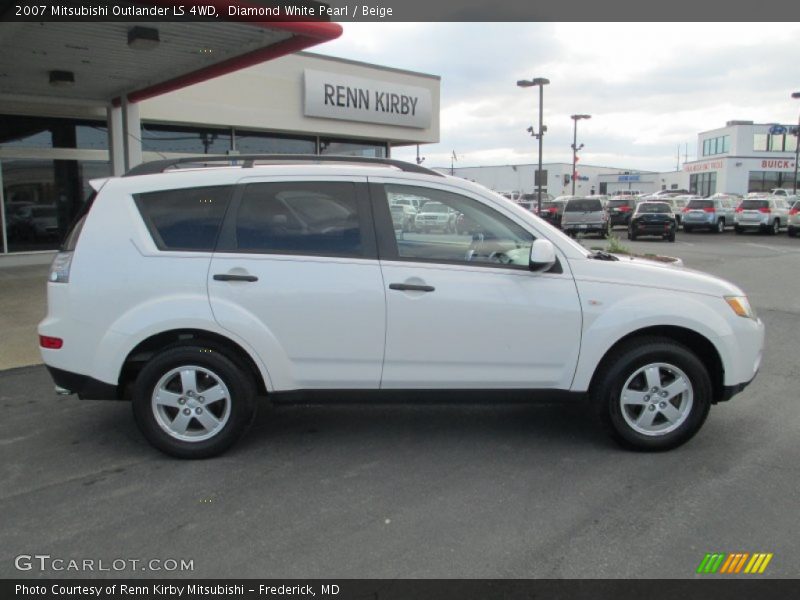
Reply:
x=508, y=491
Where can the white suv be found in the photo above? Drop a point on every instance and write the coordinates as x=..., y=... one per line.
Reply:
x=192, y=291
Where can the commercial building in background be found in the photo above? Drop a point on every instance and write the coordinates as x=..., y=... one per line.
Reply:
x=557, y=179
x=743, y=157
x=739, y=158
x=57, y=135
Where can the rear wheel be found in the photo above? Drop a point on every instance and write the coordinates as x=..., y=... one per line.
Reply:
x=193, y=401
x=792, y=232
x=776, y=227
x=687, y=228
x=738, y=229
x=720, y=228
x=652, y=394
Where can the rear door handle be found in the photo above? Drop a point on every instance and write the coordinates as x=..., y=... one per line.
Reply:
x=408, y=287
x=230, y=277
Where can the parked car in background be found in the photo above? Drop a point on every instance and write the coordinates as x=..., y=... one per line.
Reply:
x=712, y=214
x=435, y=215
x=766, y=214
x=794, y=220
x=620, y=209
x=585, y=215
x=553, y=211
x=403, y=217
x=653, y=218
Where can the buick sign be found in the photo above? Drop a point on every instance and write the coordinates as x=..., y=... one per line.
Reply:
x=335, y=96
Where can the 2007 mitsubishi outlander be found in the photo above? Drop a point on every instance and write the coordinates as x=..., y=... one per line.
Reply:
x=191, y=291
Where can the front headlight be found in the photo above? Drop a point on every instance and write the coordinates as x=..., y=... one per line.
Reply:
x=741, y=306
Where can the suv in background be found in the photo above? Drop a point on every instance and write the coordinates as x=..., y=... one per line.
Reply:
x=765, y=214
x=584, y=215
x=653, y=218
x=553, y=210
x=794, y=220
x=191, y=292
x=712, y=213
x=620, y=209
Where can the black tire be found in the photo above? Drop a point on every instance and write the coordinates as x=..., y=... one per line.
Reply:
x=738, y=229
x=671, y=237
x=792, y=232
x=632, y=236
x=239, y=403
x=720, y=228
x=624, y=362
x=687, y=228
x=776, y=227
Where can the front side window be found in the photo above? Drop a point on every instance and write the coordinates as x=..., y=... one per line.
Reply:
x=312, y=218
x=452, y=228
x=185, y=219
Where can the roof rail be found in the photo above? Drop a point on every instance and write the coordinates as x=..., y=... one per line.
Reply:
x=248, y=160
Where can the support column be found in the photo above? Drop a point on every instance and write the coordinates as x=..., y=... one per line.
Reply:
x=132, y=130
x=116, y=137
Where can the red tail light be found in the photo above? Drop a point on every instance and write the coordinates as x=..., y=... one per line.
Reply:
x=794, y=211
x=765, y=209
x=552, y=210
x=739, y=209
x=710, y=209
x=685, y=209
x=51, y=343
x=624, y=208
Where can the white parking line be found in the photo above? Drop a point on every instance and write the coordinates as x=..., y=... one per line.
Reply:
x=773, y=248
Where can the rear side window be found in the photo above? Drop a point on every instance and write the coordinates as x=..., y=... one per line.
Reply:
x=300, y=218
x=185, y=219
x=583, y=206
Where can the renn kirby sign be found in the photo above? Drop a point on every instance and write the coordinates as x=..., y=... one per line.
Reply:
x=335, y=96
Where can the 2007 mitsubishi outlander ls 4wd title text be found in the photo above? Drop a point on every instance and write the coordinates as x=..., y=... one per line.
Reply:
x=191, y=291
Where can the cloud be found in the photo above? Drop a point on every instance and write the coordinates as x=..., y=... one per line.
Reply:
x=650, y=87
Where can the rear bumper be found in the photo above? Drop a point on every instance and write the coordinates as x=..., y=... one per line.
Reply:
x=84, y=386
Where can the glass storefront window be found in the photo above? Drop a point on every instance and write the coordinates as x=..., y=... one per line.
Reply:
x=41, y=199
x=185, y=140
x=760, y=142
x=45, y=132
x=255, y=142
x=351, y=148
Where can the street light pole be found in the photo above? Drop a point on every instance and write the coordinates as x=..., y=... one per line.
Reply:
x=796, y=96
x=575, y=119
x=540, y=82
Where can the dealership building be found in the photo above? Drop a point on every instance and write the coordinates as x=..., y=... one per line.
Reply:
x=80, y=101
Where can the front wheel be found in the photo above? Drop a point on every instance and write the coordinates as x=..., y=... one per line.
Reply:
x=193, y=401
x=652, y=394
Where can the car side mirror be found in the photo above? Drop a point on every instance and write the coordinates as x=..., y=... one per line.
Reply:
x=543, y=255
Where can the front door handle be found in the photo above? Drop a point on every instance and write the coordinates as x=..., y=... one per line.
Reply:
x=408, y=287
x=230, y=277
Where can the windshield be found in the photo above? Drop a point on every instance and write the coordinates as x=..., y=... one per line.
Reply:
x=701, y=204
x=583, y=206
x=434, y=207
x=654, y=207
x=616, y=203
x=754, y=204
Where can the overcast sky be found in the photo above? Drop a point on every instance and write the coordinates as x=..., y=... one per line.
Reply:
x=648, y=86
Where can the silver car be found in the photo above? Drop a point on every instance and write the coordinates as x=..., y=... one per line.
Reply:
x=794, y=220
x=766, y=214
x=585, y=215
x=712, y=213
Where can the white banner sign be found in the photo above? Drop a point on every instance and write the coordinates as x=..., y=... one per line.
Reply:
x=335, y=96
